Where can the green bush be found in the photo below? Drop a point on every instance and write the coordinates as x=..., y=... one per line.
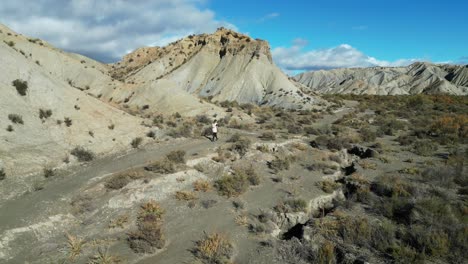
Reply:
x=10, y=128
x=16, y=119
x=21, y=86
x=82, y=154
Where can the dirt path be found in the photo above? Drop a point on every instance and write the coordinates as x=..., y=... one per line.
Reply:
x=39, y=204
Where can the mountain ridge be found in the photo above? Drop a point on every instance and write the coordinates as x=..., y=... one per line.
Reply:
x=419, y=77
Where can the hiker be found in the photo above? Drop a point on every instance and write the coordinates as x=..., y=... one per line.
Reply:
x=214, y=129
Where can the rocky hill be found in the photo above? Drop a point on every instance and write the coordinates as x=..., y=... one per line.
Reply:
x=414, y=79
x=42, y=114
x=223, y=66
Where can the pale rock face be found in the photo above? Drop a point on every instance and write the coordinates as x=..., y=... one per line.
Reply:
x=414, y=79
x=225, y=66
x=39, y=143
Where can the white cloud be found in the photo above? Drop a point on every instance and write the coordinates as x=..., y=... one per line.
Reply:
x=294, y=58
x=107, y=29
x=269, y=16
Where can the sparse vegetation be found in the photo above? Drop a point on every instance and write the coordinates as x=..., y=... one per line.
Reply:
x=45, y=113
x=268, y=136
x=16, y=119
x=232, y=185
x=104, y=257
x=214, y=249
x=149, y=234
x=240, y=144
x=21, y=86
x=176, y=156
x=82, y=154
x=185, y=196
x=328, y=186
x=291, y=206
x=48, y=172
x=68, y=121
x=279, y=164
x=163, y=166
x=10, y=128
x=201, y=186
x=136, y=142
x=120, y=180
x=75, y=246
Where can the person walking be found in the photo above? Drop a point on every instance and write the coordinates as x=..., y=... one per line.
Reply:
x=214, y=130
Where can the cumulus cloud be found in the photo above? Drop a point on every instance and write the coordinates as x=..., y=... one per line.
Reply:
x=294, y=58
x=107, y=29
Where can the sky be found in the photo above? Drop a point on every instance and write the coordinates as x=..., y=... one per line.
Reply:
x=304, y=35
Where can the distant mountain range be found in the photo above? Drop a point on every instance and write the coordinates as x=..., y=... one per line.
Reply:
x=420, y=77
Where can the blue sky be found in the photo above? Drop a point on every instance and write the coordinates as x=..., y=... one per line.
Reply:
x=304, y=35
x=389, y=30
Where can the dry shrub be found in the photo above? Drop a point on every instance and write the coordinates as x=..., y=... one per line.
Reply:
x=299, y=146
x=232, y=185
x=176, y=156
x=291, y=206
x=328, y=186
x=326, y=253
x=185, y=196
x=75, y=246
x=267, y=136
x=213, y=249
x=149, y=235
x=453, y=125
x=248, y=172
x=202, y=185
x=163, y=166
x=120, y=180
x=104, y=257
x=119, y=222
x=279, y=164
x=367, y=165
